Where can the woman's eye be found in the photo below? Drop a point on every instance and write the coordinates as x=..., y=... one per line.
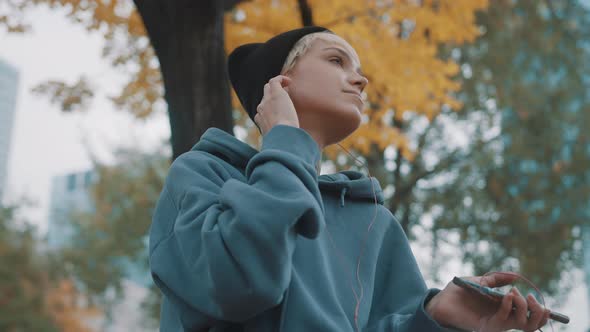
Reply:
x=338, y=59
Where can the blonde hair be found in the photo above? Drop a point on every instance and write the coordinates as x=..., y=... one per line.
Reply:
x=300, y=47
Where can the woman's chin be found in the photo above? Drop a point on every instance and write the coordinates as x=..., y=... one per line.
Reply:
x=356, y=114
x=351, y=118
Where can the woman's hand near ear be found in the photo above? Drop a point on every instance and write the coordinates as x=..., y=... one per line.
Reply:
x=276, y=106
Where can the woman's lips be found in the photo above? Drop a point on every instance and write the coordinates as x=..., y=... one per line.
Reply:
x=358, y=95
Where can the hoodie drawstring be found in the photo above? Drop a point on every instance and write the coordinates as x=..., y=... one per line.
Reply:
x=342, y=193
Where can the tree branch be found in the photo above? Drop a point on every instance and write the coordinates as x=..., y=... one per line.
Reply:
x=551, y=11
x=356, y=14
x=449, y=161
x=306, y=13
x=422, y=139
x=405, y=222
x=250, y=26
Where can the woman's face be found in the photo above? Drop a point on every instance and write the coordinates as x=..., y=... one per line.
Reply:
x=326, y=89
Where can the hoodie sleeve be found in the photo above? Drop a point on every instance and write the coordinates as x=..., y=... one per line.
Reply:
x=400, y=291
x=221, y=248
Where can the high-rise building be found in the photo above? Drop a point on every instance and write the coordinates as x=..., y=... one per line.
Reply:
x=70, y=194
x=8, y=91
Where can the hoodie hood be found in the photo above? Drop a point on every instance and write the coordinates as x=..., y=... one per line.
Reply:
x=348, y=183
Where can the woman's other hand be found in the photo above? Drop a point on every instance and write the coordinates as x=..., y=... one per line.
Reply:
x=457, y=307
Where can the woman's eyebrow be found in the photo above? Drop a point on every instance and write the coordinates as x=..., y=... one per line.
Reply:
x=346, y=55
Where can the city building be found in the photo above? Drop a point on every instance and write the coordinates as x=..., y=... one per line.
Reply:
x=70, y=193
x=8, y=91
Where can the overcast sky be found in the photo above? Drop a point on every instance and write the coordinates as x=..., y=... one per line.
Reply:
x=47, y=142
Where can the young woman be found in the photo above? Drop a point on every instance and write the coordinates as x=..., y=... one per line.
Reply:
x=248, y=240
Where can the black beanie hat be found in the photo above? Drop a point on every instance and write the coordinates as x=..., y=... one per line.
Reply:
x=251, y=66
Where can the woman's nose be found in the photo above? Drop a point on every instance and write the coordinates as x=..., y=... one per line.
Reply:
x=359, y=80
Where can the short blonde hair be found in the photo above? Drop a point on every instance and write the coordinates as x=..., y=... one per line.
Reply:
x=300, y=47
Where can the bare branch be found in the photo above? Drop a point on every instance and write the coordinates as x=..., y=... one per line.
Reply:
x=306, y=13
x=358, y=13
x=452, y=158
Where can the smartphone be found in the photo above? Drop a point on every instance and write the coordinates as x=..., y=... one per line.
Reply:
x=496, y=296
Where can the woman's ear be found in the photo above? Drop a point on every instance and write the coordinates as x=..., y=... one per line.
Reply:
x=289, y=75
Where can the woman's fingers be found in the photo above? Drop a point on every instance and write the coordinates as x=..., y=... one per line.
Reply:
x=505, y=309
x=508, y=318
x=500, y=320
x=266, y=90
x=498, y=279
x=275, y=83
x=515, y=311
x=545, y=319
x=278, y=82
x=257, y=119
x=537, y=314
x=521, y=309
x=276, y=106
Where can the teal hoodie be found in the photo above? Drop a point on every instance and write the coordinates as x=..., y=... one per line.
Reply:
x=248, y=240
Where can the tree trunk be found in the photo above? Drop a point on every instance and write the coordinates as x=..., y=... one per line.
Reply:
x=188, y=38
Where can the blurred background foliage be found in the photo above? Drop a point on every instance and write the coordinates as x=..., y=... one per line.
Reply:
x=476, y=126
x=36, y=294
